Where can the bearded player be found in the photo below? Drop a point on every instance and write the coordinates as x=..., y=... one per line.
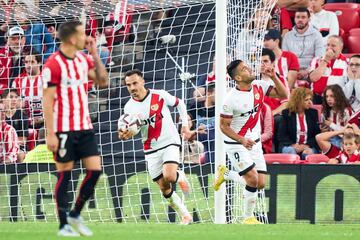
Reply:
x=160, y=137
x=239, y=122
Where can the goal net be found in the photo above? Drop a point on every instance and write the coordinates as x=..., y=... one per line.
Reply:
x=173, y=44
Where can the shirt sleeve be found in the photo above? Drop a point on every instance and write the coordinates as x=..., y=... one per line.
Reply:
x=227, y=109
x=11, y=145
x=285, y=20
x=293, y=62
x=169, y=99
x=90, y=61
x=51, y=74
x=313, y=64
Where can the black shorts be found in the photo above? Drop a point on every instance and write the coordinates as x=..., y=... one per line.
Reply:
x=76, y=145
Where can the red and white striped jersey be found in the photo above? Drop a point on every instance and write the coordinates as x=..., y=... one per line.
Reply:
x=286, y=62
x=9, y=143
x=301, y=129
x=344, y=158
x=70, y=77
x=30, y=90
x=335, y=73
x=244, y=108
x=158, y=129
x=337, y=122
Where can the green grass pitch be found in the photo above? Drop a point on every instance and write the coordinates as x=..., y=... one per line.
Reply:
x=131, y=231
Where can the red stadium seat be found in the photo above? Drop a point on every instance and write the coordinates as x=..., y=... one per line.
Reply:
x=318, y=107
x=335, y=6
x=317, y=158
x=281, y=158
x=347, y=13
x=353, y=44
x=354, y=32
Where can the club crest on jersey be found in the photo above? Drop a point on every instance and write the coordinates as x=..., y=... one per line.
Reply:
x=257, y=96
x=225, y=108
x=154, y=107
x=62, y=152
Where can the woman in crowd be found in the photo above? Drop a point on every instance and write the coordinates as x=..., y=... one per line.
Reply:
x=299, y=125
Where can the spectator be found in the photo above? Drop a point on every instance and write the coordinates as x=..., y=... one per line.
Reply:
x=29, y=88
x=304, y=40
x=352, y=86
x=205, y=116
x=276, y=105
x=11, y=61
x=5, y=10
x=333, y=152
x=293, y=5
x=37, y=35
x=280, y=20
x=16, y=117
x=193, y=149
x=267, y=128
x=299, y=125
x=329, y=69
x=349, y=153
x=9, y=145
x=286, y=63
x=336, y=112
x=325, y=21
x=199, y=92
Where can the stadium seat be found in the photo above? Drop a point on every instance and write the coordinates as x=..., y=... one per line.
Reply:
x=281, y=158
x=335, y=6
x=348, y=17
x=353, y=44
x=318, y=107
x=354, y=32
x=317, y=158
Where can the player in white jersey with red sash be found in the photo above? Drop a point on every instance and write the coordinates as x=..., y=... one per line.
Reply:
x=69, y=130
x=159, y=136
x=240, y=124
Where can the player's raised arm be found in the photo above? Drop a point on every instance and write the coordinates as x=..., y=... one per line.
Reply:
x=99, y=73
x=279, y=91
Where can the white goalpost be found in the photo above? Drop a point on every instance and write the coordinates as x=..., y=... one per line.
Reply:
x=174, y=44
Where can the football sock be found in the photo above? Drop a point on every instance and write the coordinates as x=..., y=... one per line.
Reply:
x=176, y=203
x=86, y=190
x=234, y=176
x=61, y=196
x=249, y=201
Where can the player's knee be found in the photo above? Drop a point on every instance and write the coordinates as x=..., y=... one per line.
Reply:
x=252, y=180
x=170, y=178
x=260, y=185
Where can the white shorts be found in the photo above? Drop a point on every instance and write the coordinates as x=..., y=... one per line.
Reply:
x=243, y=160
x=156, y=160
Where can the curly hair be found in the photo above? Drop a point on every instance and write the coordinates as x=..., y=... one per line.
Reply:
x=297, y=99
x=341, y=102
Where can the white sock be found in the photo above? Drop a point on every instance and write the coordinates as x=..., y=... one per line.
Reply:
x=249, y=203
x=235, y=177
x=176, y=203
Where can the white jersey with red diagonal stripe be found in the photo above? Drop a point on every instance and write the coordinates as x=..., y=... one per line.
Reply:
x=244, y=108
x=70, y=77
x=30, y=90
x=158, y=129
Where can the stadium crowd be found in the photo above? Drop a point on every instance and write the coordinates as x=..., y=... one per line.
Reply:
x=308, y=46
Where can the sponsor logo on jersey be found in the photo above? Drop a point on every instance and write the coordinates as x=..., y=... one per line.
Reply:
x=154, y=118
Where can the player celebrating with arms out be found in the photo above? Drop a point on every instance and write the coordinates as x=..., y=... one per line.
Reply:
x=160, y=137
x=240, y=123
x=69, y=130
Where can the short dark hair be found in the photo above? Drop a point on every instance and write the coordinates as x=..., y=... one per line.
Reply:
x=355, y=56
x=231, y=68
x=270, y=53
x=7, y=91
x=132, y=72
x=67, y=29
x=303, y=9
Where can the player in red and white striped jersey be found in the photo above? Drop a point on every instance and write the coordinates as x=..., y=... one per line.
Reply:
x=29, y=87
x=160, y=137
x=9, y=143
x=240, y=124
x=69, y=130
